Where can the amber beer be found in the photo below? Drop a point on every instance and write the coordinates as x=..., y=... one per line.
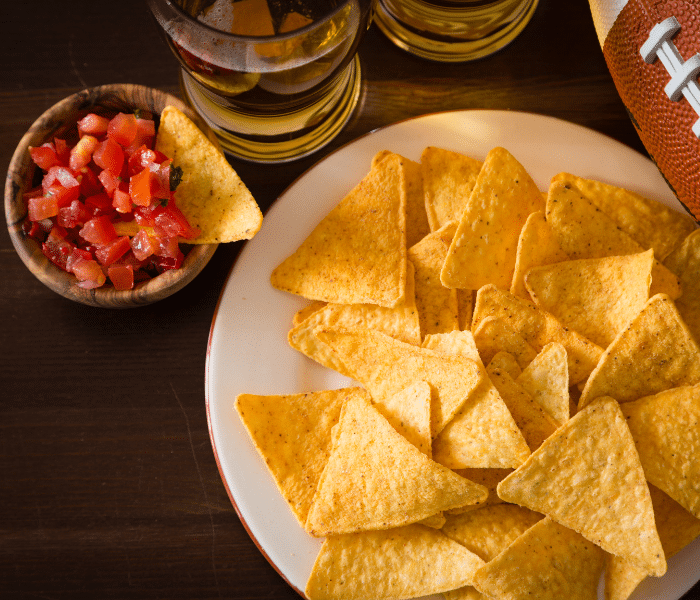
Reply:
x=276, y=79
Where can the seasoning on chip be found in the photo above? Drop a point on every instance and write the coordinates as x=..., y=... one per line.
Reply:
x=404, y=562
x=546, y=379
x=484, y=247
x=357, y=253
x=211, y=194
x=655, y=353
x=547, y=562
x=505, y=361
x=376, y=479
x=587, y=476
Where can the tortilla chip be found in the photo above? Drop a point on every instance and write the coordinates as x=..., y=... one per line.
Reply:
x=685, y=263
x=454, y=342
x=538, y=328
x=398, y=563
x=650, y=223
x=465, y=308
x=292, y=434
x=464, y=593
x=357, y=253
x=437, y=305
x=505, y=361
x=448, y=181
x=385, y=366
x=587, y=476
x=584, y=231
x=597, y=297
x=493, y=335
x=666, y=430
x=547, y=562
x=484, y=247
x=304, y=313
x=535, y=424
x=400, y=322
x=211, y=194
x=537, y=246
x=408, y=411
x=489, y=478
x=546, y=379
x=655, y=353
x=376, y=479
x=676, y=527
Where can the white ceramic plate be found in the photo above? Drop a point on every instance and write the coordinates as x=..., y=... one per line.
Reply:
x=248, y=350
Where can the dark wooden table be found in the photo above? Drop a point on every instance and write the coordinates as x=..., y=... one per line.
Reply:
x=108, y=483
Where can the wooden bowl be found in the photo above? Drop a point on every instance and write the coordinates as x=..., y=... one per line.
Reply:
x=57, y=119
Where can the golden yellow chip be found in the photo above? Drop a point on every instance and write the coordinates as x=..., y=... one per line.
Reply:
x=484, y=247
x=400, y=322
x=537, y=327
x=493, y=335
x=385, y=366
x=398, y=563
x=304, y=313
x=685, y=263
x=583, y=231
x=211, y=194
x=437, y=306
x=454, y=342
x=505, y=361
x=489, y=478
x=588, y=477
x=293, y=436
x=655, y=353
x=547, y=562
x=537, y=246
x=448, y=181
x=357, y=253
x=546, y=379
x=597, y=297
x=535, y=424
x=650, y=223
x=465, y=308
x=376, y=479
x=666, y=430
x=676, y=527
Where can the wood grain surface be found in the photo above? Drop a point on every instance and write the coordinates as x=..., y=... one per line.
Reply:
x=108, y=483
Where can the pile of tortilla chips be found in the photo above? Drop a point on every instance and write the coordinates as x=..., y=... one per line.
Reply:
x=528, y=385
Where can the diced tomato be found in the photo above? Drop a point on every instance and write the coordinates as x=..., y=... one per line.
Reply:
x=109, y=155
x=93, y=124
x=163, y=264
x=76, y=256
x=59, y=174
x=89, y=273
x=63, y=196
x=57, y=248
x=44, y=156
x=37, y=230
x=62, y=150
x=74, y=215
x=146, y=215
x=121, y=276
x=98, y=230
x=81, y=153
x=174, y=223
x=114, y=250
x=122, y=129
x=121, y=201
x=89, y=183
x=42, y=208
x=35, y=192
x=143, y=245
x=109, y=181
x=166, y=245
x=99, y=204
x=141, y=187
x=140, y=159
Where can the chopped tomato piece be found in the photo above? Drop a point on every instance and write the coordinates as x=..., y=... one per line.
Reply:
x=140, y=159
x=63, y=196
x=143, y=245
x=99, y=204
x=57, y=248
x=93, y=124
x=164, y=263
x=122, y=129
x=42, y=208
x=89, y=183
x=109, y=181
x=121, y=276
x=81, y=153
x=166, y=245
x=62, y=150
x=44, y=156
x=114, y=250
x=89, y=273
x=37, y=230
x=74, y=215
x=76, y=256
x=141, y=187
x=174, y=223
x=59, y=174
x=98, y=230
x=121, y=201
x=109, y=155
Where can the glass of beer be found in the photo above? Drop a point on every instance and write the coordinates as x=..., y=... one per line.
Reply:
x=453, y=30
x=275, y=79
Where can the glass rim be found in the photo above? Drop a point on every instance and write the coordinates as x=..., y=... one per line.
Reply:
x=250, y=39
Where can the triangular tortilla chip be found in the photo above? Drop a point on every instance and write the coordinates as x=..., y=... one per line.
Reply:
x=666, y=430
x=489, y=478
x=437, y=305
x=547, y=562
x=416, y=218
x=546, y=379
x=584, y=231
x=357, y=253
x=685, y=263
x=304, y=313
x=408, y=411
x=676, y=527
x=400, y=322
x=505, y=361
x=537, y=246
x=398, y=563
x=448, y=181
x=493, y=335
x=376, y=479
x=538, y=327
x=293, y=436
x=385, y=366
x=211, y=194
x=484, y=247
x=655, y=353
x=597, y=297
x=587, y=476
x=650, y=223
